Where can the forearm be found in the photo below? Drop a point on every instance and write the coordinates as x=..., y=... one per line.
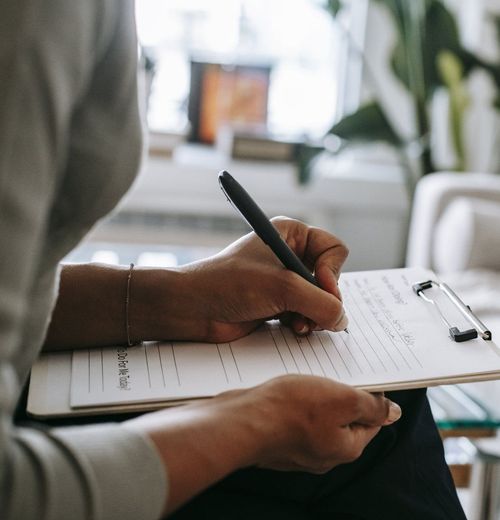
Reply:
x=201, y=444
x=91, y=307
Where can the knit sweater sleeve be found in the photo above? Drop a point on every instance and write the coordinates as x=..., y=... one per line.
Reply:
x=48, y=55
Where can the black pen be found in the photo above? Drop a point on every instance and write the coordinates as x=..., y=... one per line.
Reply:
x=257, y=220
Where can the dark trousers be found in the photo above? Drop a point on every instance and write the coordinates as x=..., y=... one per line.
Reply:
x=402, y=475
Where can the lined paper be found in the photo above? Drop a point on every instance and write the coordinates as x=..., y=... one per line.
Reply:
x=395, y=338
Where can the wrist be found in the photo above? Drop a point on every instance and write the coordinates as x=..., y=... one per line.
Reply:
x=200, y=444
x=161, y=306
x=241, y=418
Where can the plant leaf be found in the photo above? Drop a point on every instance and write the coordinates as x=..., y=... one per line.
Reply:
x=496, y=19
x=496, y=103
x=333, y=7
x=368, y=123
x=306, y=154
x=440, y=33
x=396, y=10
x=451, y=71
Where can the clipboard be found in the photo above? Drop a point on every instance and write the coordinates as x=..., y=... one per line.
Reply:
x=396, y=341
x=478, y=327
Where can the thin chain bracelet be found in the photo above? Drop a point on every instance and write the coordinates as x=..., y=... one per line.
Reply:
x=127, y=302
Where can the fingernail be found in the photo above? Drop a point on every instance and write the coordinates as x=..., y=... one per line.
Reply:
x=342, y=323
x=394, y=413
x=304, y=330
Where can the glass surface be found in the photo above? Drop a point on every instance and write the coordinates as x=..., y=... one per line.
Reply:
x=454, y=407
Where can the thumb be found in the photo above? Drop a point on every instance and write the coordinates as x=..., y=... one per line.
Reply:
x=376, y=410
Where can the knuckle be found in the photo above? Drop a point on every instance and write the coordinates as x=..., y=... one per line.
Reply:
x=343, y=249
x=353, y=452
x=353, y=403
x=281, y=220
x=287, y=388
x=354, y=455
x=322, y=467
x=288, y=288
x=341, y=253
x=381, y=409
x=283, y=223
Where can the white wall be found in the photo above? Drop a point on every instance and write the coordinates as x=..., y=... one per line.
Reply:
x=365, y=204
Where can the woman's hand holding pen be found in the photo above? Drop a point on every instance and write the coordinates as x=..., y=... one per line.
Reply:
x=228, y=295
x=217, y=299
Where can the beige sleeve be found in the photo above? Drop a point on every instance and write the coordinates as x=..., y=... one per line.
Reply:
x=48, y=51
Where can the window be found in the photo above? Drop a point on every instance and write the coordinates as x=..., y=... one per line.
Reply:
x=306, y=49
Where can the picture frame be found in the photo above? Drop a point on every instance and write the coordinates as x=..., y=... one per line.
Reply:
x=223, y=94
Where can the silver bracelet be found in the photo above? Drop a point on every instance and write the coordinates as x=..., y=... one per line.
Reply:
x=127, y=303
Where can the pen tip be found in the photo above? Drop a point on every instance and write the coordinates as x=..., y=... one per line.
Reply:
x=346, y=331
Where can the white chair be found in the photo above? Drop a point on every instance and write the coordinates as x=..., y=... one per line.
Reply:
x=455, y=230
x=433, y=197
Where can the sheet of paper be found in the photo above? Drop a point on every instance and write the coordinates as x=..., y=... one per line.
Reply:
x=394, y=336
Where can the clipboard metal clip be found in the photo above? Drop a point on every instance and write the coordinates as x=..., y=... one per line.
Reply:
x=455, y=333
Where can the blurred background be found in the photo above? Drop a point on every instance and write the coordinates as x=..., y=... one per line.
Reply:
x=377, y=120
x=328, y=111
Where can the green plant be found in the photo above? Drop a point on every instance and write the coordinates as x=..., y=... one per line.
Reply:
x=427, y=55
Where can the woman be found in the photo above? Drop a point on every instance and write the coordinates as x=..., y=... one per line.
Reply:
x=69, y=148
